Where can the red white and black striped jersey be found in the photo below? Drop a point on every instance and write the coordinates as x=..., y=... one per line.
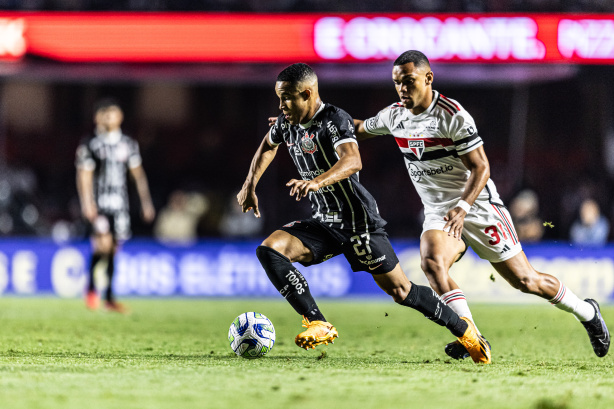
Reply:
x=346, y=204
x=432, y=143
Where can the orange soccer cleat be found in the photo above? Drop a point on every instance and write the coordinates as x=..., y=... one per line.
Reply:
x=475, y=344
x=92, y=301
x=115, y=306
x=317, y=333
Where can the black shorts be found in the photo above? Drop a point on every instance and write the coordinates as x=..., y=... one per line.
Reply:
x=365, y=251
x=118, y=224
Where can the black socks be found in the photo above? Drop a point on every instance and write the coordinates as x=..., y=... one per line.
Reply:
x=110, y=271
x=96, y=257
x=426, y=301
x=289, y=282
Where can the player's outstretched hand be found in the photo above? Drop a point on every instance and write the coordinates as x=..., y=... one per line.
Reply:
x=301, y=188
x=248, y=200
x=455, y=221
x=272, y=120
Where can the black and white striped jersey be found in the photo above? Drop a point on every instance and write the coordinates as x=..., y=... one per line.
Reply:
x=346, y=204
x=109, y=156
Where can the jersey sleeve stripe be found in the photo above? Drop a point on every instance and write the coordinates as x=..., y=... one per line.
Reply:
x=428, y=142
x=466, y=140
x=341, y=142
x=471, y=146
x=444, y=107
x=449, y=101
x=271, y=140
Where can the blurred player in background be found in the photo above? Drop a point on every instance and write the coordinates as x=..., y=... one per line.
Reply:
x=345, y=220
x=447, y=164
x=102, y=162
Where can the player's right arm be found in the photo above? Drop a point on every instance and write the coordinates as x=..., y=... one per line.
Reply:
x=85, y=189
x=264, y=156
x=85, y=182
x=377, y=125
x=361, y=132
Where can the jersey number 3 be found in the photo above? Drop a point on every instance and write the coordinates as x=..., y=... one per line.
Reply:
x=494, y=233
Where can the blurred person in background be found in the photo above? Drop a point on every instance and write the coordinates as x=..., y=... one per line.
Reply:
x=102, y=163
x=177, y=222
x=235, y=223
x=524, y=209
x=591, y=228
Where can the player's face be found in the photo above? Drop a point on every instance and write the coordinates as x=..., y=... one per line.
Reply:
x=413, y=84
x=292, y=102
x=109, y=118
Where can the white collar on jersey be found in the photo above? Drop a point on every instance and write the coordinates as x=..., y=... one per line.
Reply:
x=111, y=137
x=308, y=124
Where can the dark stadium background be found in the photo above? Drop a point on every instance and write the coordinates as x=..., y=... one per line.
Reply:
x=212, y=124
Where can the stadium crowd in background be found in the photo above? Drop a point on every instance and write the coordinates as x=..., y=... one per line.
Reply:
x=567, y=157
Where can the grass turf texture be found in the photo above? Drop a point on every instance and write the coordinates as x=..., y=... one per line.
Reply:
x=174, y=353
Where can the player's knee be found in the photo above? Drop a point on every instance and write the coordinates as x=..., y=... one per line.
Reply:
x=399, y=293
x=274, y=245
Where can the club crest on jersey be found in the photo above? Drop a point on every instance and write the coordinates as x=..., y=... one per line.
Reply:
x=307, y=143
x=417, y=148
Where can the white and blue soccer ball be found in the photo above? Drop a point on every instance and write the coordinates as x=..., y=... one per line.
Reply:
x=251, y=335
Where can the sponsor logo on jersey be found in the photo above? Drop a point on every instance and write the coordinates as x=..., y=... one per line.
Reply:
x=307, y=143
x=416, y=174
x=310, y=174
x=400, y=126
x=291, y=223
x=417, y=148
x=433, y=126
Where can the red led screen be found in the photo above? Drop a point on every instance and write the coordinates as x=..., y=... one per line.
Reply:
x=225, y=37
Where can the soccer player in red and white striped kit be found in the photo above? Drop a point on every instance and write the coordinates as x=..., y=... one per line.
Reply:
x=446, y=161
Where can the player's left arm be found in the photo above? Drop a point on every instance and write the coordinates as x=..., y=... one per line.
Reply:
x=477, y=163
x=142, y=187
x=349, y=163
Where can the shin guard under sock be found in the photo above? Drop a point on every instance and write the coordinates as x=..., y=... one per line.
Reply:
x=426, y=301
x=289, y=282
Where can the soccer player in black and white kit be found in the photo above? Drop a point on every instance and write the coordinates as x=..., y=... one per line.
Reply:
x=102, y=164
x=345, y=219
x=446, y=161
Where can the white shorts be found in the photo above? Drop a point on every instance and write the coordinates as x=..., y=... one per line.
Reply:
x=488, y=230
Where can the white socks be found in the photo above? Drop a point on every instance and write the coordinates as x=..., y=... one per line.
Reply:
x=456, y=300
x=567, y=301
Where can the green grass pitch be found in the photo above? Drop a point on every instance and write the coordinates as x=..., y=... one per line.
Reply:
x=174, y=353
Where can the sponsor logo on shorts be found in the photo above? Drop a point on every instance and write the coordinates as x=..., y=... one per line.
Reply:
x=327, y=257
x=416, y=174
x=291, y=223
x=373, y=261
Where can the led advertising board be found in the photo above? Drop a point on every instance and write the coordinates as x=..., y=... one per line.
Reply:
x=229, y=37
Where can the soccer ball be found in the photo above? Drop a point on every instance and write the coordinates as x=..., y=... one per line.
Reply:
x=251, y=335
